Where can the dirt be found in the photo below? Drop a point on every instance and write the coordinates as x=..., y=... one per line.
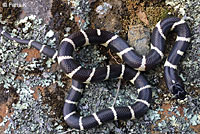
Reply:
x=32, y=53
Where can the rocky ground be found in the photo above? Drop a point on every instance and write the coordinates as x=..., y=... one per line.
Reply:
x=33, y=87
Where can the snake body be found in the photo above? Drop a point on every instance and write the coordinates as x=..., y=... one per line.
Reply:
x=131, y=71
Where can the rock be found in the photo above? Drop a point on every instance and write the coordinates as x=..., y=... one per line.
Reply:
x=49, y=34
x=139, y=38
x=103, y=9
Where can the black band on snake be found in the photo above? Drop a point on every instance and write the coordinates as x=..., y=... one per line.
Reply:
x=132, y=60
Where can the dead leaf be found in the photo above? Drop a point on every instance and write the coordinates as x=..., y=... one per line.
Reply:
x=32, y=53
x=142, y=16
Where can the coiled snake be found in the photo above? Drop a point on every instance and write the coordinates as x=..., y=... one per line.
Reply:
x=131, y=71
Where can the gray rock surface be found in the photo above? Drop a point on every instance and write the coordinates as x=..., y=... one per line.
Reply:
x=139, y=38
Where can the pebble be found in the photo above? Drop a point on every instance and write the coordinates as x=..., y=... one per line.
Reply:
x=139, y=38
x=103, y=9
x=49, y=34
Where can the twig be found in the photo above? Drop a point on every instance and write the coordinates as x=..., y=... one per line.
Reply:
x=109, y=52
x=118, y=87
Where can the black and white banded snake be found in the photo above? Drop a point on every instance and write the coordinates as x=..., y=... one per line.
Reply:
x=131, y=71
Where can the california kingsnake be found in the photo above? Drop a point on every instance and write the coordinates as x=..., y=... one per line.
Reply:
x=133, y=60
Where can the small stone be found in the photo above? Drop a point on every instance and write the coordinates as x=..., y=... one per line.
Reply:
x=52, y=88
x=117, y=130
x=103, y=9
x=32, y=17
x=139, y=38
x=49, y=34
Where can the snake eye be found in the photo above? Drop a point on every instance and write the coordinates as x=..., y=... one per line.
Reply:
x=178, y=91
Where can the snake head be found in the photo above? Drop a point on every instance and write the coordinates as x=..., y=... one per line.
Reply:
x=178, y=91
